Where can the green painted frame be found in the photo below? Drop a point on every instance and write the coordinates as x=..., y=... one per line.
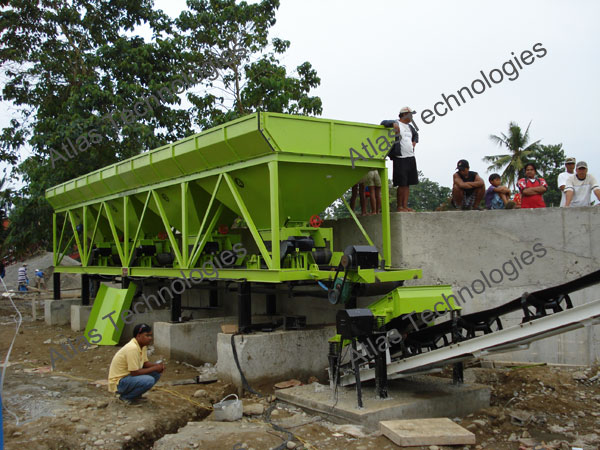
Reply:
x=186, y=259
x=207, y=164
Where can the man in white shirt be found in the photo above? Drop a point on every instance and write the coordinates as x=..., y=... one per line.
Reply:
x=580, y=186
x=405, y=164
x=564, y=176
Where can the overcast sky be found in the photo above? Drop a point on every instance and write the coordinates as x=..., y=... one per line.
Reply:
x=375, y=57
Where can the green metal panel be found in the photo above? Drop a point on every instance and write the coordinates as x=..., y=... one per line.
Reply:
x=410, y=300
x=320, y=137
x=405, y=300
x=234, y=142
x=109, y=300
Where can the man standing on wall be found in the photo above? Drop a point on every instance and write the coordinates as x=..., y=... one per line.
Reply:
x=130, y=373
x=564, y=176
x=580, y=187
x=403, y=156
x=532, y=188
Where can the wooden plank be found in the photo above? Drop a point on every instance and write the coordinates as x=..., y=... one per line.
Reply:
x=441, y=431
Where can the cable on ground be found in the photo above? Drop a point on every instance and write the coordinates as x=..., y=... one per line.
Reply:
x=267, y=414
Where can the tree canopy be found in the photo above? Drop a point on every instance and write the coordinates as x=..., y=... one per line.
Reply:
x=90, y=91
x=519, y=148
x=252, y=78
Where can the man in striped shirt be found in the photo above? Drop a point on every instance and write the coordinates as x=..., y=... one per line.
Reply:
x=23, y=280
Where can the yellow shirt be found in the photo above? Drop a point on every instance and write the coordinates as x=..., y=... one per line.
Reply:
x=131, y=357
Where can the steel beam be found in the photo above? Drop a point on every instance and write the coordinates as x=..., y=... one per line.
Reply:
x=85, y=289
x=56, y=285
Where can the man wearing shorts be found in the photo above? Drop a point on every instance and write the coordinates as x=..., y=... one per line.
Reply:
x=373, y=181
x=468, y=188
x=403, y=156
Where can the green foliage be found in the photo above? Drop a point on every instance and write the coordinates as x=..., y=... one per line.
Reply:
x=252, y=79
x=517, y=143
x=75, y=69
x=425, y=196
x=69, y=64
x=550, y=162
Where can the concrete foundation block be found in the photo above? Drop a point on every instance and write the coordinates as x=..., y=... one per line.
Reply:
x=152, y=318
x=58, y=312
x=195, y=341
x=276, y=356
x=415, y=397
x=79, y=316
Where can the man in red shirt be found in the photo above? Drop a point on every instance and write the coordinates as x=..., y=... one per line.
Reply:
x=532, y=188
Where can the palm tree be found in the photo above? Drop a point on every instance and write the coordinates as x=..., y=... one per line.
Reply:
x=517, y=143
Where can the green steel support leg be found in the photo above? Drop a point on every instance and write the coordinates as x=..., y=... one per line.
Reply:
x=113, y=230
x=184, y=224
x=94, y=234
x=59, y=257
x=62, y=254
x=163, y=216
x=248, y=219
x=205, y=218
x=206, y=236
x=54, y=253
x=77, y=241
x=126, y=231
x=386, y=238
x=360, y=227
x=84, y=257
x=274, y=182
x=139, y=227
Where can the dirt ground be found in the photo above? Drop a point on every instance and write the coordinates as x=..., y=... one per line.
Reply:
x=537, y=407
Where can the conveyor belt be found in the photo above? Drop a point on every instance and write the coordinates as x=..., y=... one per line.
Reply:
x=546, y=312
x=500, y=341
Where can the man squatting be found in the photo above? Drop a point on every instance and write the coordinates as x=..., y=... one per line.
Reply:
x=130, y=373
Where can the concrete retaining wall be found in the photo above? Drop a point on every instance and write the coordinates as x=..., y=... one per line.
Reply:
x=454, y=247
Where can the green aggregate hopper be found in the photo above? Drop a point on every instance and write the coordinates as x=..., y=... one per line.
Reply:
x=272, y=171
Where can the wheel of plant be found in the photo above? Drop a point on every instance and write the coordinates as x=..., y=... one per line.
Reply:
x=316, y=221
